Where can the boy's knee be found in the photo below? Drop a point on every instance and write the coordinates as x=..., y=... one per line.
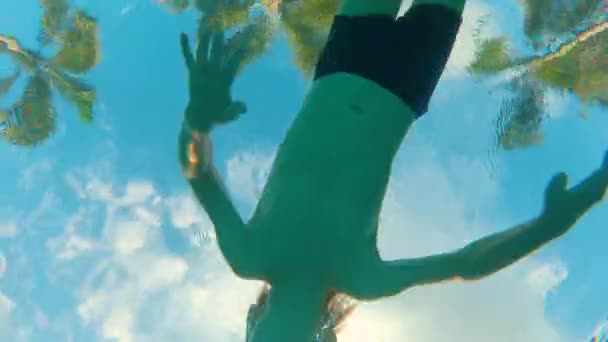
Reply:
x=456, y=5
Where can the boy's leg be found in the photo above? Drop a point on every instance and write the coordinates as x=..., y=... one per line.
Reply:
x=391, y=7
x=369, y=7
x=456, y=5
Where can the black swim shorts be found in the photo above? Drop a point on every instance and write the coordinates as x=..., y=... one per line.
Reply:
x=405, y=56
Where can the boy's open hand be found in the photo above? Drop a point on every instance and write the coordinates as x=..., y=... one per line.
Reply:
x=563, y=207
x=211, y=74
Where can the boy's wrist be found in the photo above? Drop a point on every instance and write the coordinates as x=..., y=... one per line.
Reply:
x=194, y=151
x=556, y=223
x=195, y=119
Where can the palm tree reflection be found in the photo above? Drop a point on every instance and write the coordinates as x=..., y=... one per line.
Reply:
x=31, y=120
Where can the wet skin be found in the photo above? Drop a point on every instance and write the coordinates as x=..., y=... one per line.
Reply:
x=314, y=228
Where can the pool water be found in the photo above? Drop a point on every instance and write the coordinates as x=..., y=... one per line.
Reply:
x=101, y=238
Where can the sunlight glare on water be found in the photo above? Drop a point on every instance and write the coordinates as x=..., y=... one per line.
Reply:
x=601, y=333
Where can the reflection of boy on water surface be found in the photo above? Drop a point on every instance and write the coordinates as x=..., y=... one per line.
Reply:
x=313, y=233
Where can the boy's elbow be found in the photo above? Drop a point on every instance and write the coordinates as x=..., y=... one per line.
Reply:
x=247, y=270
x=478, y=266
x=242, y=267
x=246, y=263
x=470, y=267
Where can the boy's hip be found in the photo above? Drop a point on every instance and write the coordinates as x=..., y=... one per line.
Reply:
x=405, y=56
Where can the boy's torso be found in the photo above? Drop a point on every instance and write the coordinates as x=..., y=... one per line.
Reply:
x=330, y=174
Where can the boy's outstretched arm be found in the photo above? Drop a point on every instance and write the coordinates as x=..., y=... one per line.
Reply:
x=237, y=243
x=563, y=208
x=210, y=78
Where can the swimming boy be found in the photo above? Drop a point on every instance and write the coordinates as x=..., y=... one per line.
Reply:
x=314, y=229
